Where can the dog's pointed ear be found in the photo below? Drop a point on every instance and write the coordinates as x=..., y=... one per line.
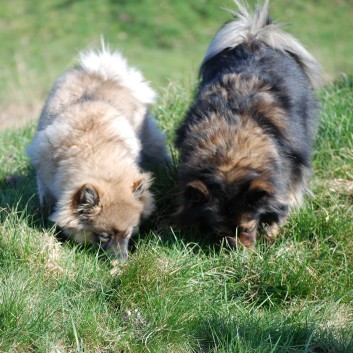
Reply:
x=88, y=196
x=86, y=199
x=138, y=187
x=141, y=185
x=197, y=192
x=260, y=189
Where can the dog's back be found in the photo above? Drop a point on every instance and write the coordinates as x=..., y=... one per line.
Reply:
x=259, y=81
x=253, y=48
x=101, y=76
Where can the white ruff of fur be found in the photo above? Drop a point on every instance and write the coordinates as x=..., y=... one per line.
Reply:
x=249, y=26
x=111, y=65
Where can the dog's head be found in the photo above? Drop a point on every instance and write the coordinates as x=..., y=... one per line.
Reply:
x=106, y=213
x=233, y=209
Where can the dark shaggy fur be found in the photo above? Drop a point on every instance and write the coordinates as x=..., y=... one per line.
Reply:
x=246, y=142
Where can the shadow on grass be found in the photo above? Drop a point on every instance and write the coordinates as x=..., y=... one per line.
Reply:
x=262, y=335
x=18, y=194
x=163, y=222
x=19, y=198
x=164, y=225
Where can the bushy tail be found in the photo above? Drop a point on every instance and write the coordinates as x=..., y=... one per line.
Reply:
x=111, y=65
x=257, y=26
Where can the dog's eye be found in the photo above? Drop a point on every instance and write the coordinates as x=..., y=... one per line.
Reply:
x=104, y=237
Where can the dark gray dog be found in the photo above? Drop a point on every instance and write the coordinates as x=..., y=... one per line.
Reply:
x=246, y=142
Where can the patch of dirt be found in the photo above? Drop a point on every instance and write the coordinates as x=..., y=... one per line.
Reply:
x=341, y=185
x=15, y=116
x=53, y=253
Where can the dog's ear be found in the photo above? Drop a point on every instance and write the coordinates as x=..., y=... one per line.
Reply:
x=259, y=189
x=197, y=192
x=140, y=186
x=86, y=199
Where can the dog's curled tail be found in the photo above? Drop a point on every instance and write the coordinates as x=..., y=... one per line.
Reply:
x=257, y=26
x=111, y=65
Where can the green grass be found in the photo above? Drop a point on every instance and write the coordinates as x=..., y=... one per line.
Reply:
x=178, y=293
x=335, y=141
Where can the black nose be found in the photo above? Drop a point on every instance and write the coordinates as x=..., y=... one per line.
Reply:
x=231, y=242
x=106, y=246
x=120, y=255
x=124, y=256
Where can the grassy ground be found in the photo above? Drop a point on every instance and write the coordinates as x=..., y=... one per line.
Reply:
x=177, y=293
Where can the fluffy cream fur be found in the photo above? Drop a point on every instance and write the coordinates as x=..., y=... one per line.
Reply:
x=92, y=132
